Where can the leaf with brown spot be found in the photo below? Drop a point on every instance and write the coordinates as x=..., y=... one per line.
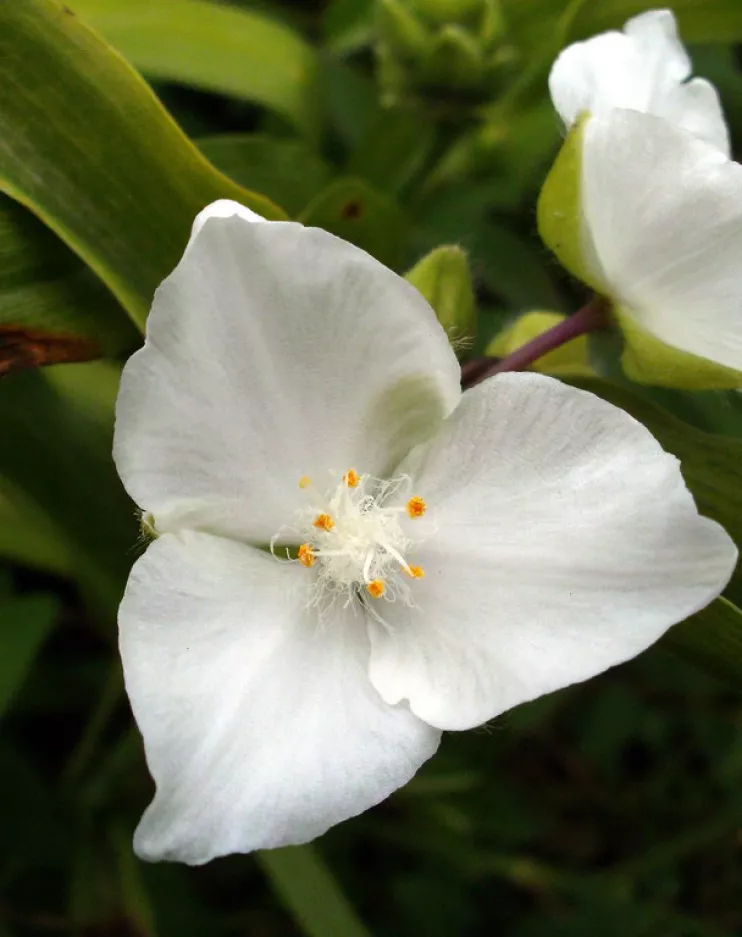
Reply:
x=357, y=212
x=22, y=348
x=351, y=210
x=52, y=308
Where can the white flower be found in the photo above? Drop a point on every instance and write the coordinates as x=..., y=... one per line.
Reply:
x=644, y=68
x=451, y=555
x=661, y=234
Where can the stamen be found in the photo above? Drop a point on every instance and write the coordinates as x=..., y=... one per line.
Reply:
x=416, y=507
x=351, y=478
x=376, y=588
x=307, y=556
x=353, y=535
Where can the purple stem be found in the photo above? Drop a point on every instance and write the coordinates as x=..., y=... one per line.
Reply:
x=590, y=318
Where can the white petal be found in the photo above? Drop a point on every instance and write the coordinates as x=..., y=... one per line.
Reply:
x=645, y=68
x=663, y=214
x=223, y=208
x=260, y=728
x=274, y=351
x=563, y=541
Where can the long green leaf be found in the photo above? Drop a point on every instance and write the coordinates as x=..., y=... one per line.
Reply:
x=287, y=171
x=27, y=536
x=25, y=622
x=52, y=307
x=216, y=47
x=89, y=149
x=307, y=888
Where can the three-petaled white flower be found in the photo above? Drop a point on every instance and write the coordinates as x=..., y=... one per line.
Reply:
x=660, y=202
x=352, y=554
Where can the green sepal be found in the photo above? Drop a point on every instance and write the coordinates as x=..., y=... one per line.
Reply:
x=559, y=210
x=444, y=278
x=648, y=360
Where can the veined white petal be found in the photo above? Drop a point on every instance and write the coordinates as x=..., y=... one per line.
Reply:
x=562, y=541
x=274, y=352
x=663, y=216
x=644, y=68
x=261, y=729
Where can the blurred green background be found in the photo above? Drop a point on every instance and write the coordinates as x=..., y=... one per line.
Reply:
x=610, y=808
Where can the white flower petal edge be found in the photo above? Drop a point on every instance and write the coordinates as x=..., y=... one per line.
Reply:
x=261, y=729
x=662, y=214
x=273, y=352
x=644, y=68
x=563, y=541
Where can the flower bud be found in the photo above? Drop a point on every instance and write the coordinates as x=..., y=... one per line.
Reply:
x=428, y=46
x=440, y=12
x=454, y=60
x=444, y=279
x=402, y=32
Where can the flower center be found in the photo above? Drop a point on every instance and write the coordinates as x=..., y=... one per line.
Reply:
x=356, y=537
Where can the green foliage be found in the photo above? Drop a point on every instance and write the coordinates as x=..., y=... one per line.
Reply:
x=92, y=173
x=353, y=210
x=52, y=307
x=233, y=51
x=287, y=171
x=609, y=808
x=426, y=46
x=25, y=622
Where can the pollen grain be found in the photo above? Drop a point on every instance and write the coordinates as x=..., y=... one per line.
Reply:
x=307, y=555
x=305, y=481
x=376, y=588
x=324, y=522
x=416, y=507
x=417, y=572
x=351, y=478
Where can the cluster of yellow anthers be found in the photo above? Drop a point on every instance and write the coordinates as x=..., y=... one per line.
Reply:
x=326, y=523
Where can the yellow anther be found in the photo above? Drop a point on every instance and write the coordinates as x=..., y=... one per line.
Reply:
x=351, y=478
x=305, y=481
x=324, y=522
x=416, y=507
x=417, y=572
x=376, y=588
x=306, y=555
